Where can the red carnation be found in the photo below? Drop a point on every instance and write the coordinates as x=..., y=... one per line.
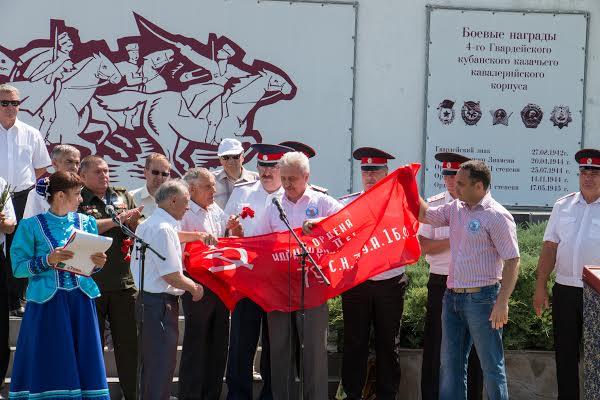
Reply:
x=247, y=212
x=126, y=245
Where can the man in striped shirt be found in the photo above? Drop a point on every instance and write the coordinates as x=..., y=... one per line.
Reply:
x=484, y=251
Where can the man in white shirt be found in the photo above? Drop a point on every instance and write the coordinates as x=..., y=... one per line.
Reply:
x=156, y=171
x=24, y=159
x=231, y=156
x=64, y=158
x=7, y=226
x=300, y=203
x=436, y=247
x=248, y=319
x=379, y=300
x=164, y=282
x=570, y=242
x=206, y=334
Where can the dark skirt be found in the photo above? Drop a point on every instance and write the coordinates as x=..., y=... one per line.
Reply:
x=59, y=355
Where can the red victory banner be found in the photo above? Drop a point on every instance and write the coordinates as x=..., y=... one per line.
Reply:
x=375, y=233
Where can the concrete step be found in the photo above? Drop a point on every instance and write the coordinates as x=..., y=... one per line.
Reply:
x=14, y=326
x=115, y=389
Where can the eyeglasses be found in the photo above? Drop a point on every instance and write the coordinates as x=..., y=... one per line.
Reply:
x=14, y=103
x=235, y=157
x=155, y=172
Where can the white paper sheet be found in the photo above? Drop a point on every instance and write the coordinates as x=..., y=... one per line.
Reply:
x=83, y=245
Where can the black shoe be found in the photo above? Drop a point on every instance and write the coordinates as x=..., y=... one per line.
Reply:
x=18, y=312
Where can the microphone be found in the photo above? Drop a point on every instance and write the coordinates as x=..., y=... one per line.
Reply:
x=277, y=204
x=110, y=210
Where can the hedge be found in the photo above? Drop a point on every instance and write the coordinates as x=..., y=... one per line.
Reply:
x=525, y=330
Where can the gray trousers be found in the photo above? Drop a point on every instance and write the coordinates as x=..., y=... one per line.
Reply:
x=159, y=348
x=283, y=335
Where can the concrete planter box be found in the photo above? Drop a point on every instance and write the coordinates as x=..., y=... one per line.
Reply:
x=531, y=374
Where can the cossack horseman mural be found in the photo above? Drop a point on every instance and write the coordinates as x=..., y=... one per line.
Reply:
x=159, y=91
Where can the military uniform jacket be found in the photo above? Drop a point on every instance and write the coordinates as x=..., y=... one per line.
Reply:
x=116, y=274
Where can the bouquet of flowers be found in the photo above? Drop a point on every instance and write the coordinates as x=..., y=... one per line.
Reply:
x=5, y=196
x=247, y=212
x=126, y=246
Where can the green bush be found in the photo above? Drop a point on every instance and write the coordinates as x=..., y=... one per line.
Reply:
x=525, y=330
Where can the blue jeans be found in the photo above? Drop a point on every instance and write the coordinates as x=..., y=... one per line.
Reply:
x=465, y=321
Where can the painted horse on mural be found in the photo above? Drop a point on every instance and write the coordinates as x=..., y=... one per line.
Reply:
x=71, y=103
x=167, y=116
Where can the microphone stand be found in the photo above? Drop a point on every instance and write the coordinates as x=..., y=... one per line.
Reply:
x=303, y=256
x=142, y=247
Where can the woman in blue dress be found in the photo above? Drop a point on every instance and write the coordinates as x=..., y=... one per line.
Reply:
x=59, y=355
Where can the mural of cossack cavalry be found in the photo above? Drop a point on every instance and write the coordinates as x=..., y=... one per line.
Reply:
x=159, y=91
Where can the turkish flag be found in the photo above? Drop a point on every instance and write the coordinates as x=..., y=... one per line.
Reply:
x=375, y=233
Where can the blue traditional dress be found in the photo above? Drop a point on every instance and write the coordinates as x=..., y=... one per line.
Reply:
x=59, y=355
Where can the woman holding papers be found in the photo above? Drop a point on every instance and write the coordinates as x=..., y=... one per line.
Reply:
x=58, y=354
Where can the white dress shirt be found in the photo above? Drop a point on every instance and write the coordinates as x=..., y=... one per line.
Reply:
x=22, y=150
x=9, y=211
x=575, y=226
x=312, y=204
x=210, y=219
x=36, y=204
x=142, y=197
x=438, y=263
x=160, y=232
x=251, y=195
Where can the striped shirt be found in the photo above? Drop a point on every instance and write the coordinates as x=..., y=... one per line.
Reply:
x=481, y=237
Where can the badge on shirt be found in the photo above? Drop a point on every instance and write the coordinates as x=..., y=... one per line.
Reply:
x=312, y=212
x=474, y=225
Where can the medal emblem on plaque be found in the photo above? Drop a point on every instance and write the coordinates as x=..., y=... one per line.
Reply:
x=446, y=112
x=561, y=116
x=531, y=115
x=471, y=112
x=500, y=116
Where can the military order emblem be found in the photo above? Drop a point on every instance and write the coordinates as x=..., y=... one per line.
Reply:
x=561, y=116
x=531, y=115
x=471, y=112
x=500, y=116
x=446, y=112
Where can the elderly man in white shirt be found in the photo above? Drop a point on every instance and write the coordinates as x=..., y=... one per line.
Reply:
x=164, y=282
x=157, y=171
x=206, y=334
x=64, y=158
x=248, y=319
x=24, y=159
x=300, y=203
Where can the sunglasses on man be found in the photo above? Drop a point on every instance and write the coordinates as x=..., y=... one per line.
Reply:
x=155, y=172
x=14, y=103
x=235, y=157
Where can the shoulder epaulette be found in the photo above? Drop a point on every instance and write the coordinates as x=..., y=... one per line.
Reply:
x=318, y=188
x=119, y=188
x=349, y=196
x=568, y=195
x=436, y=197
x=244, y=183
